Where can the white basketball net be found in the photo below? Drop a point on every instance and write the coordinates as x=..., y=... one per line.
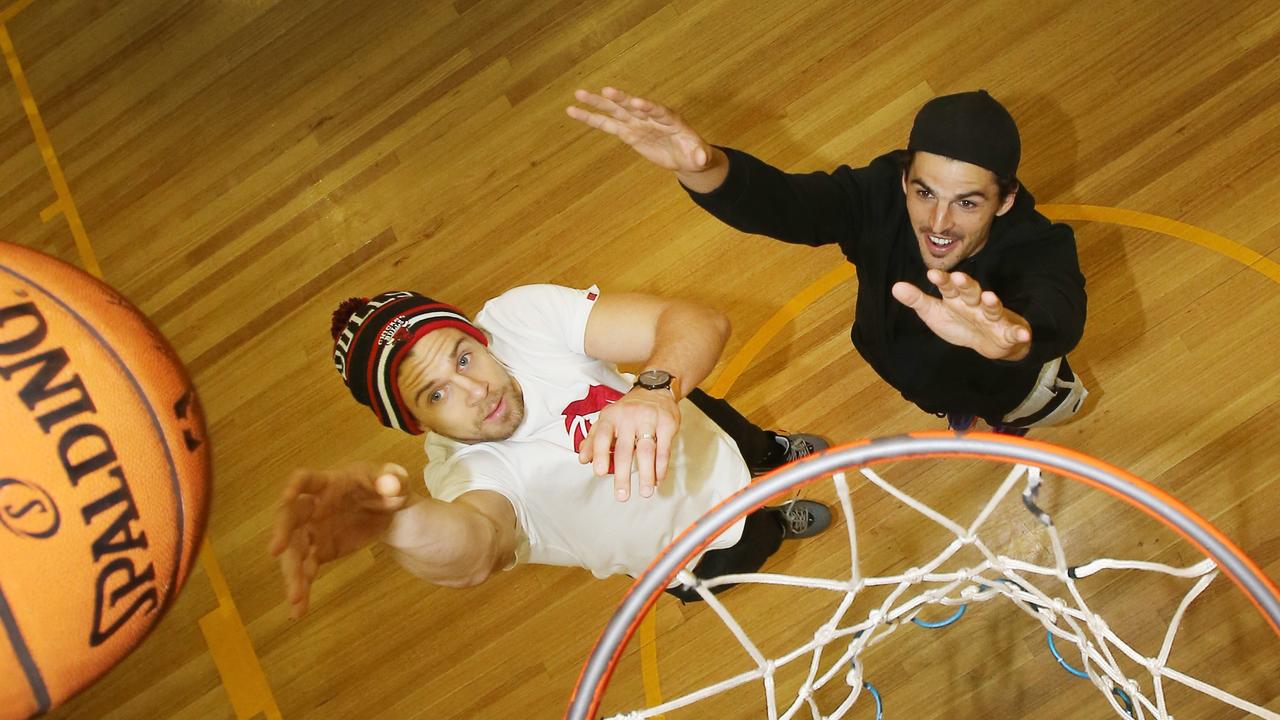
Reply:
x=1069, y=621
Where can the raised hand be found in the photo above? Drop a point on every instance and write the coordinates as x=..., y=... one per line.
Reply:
x=653, y=130
x=326, y=514
x=640, y=426
x=968, y=316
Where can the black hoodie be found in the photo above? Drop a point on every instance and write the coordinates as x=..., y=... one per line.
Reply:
x=1028, y=262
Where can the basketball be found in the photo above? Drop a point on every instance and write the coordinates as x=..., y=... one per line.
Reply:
x=104, y=479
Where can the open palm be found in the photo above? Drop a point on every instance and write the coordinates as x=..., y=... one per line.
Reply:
x=968, y=316
x=325, y=515
x=653, y=130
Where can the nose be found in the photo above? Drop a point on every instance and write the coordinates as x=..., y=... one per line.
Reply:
x=474, y=389
x=940, y=222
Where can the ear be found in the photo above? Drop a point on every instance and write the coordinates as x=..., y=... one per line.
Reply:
x=1008, y=201
x=904, y=181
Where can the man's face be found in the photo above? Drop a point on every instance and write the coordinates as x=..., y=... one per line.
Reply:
x=456, y=388
x=951, y=204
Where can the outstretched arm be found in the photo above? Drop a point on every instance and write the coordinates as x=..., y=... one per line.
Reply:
x=328, y=514
x=455, y=544
x=968, y=316
x=678, y=336
x=657, y=133
x=742, y=191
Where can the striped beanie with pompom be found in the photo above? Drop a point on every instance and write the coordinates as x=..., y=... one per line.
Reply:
x=371, y=338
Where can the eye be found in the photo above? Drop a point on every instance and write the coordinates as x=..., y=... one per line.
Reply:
x=923, y=194
x=967, y=204
x=464, y=360
x=435, y=396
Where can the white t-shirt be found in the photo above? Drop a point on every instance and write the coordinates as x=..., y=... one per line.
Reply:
x=567, y=515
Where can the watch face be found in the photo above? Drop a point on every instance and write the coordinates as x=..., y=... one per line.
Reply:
x=654, y=379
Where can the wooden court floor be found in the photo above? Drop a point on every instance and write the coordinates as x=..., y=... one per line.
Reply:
x=237, y=167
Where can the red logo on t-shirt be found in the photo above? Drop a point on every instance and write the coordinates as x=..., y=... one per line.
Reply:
x=579, y=414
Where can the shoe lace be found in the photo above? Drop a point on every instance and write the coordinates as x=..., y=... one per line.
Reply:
x=798, y=448
x=798, y=518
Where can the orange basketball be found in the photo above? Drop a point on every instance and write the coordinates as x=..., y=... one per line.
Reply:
x=104, y=479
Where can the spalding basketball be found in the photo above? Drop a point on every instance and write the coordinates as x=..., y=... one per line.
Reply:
x=104, y=479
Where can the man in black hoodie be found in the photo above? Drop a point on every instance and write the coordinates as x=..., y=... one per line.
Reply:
x=968, y=298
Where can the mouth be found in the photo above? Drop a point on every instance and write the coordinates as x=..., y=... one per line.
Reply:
x=497, y=409
x=940, y=245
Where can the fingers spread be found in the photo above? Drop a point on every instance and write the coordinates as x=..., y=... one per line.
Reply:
x=1017, y=334
x=291, y=516
x=304, y=482
x=907, y=294
x=992, y=308
x=603, y=104
x=968, y=290
x=595, y=120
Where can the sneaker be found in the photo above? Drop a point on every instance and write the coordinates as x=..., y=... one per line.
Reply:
x=802, y=518
x=1010, y=430
x=961, y=423
x=797, y=446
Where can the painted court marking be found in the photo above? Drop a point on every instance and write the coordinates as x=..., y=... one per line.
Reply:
x=838, y=275
x=223, y=629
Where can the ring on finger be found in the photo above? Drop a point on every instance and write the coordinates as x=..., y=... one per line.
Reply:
x=646, y=436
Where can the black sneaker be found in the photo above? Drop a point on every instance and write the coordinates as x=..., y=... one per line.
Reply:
x=1010, y=430
x=798, y=445
x=802, y=518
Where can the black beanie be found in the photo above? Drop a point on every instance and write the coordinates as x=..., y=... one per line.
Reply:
x=969, y=126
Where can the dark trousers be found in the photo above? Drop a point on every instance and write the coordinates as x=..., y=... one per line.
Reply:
x=758, y=447
x=762, y=530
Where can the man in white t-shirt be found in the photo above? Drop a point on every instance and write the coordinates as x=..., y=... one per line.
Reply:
x=525, y=416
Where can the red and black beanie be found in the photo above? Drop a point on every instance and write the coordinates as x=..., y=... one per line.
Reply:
x=371, y=338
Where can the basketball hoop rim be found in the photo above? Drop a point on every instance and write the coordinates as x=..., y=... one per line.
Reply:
x=1119, y=483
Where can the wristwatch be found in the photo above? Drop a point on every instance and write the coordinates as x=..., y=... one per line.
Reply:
x=655, y=380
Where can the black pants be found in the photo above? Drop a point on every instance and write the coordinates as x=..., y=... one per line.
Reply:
x=762, y=530
x=758, y=447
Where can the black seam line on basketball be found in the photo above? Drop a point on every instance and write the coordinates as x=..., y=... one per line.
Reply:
x=647, y=587
x=155, y=424
x=28, y=663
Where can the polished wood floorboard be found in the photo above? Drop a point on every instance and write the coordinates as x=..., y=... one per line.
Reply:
x=240, y=166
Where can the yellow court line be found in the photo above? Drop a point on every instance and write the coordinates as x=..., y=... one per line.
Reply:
x=740, y=362
x=224, y=631
x=10, y=12
x=1173, y=228
x=845, y=271
x=64, y=204
x=232, y=650
x=649, y=659
x=744, y=357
